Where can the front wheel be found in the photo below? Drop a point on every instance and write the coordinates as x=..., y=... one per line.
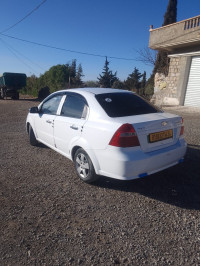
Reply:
x=2, y=93
x=32, y=139
x=84, y=167
x=16, y=96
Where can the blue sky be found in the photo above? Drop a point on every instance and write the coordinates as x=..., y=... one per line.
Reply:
x=109, y=28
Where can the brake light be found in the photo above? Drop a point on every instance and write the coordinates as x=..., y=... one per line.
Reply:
x=182, y=127
x=125, y=136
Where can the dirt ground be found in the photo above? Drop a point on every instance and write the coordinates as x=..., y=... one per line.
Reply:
x=49, y=217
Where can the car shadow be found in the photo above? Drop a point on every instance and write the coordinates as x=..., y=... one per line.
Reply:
x=179, y=185
x=41, y=145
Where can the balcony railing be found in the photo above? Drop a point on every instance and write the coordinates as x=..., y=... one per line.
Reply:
x=192, y=23
x=174, y=36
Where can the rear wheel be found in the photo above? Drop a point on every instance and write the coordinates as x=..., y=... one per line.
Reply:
x=32, y=138
x=16, y=96
x=2, y=93
x=84, y=167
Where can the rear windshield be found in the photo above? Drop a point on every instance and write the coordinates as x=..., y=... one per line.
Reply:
x=124, y=104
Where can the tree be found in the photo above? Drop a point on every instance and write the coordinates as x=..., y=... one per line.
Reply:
x=133, y=81
x=61, y=77
x=118, y=84
x=147, y=56
x=162, y=60
x=107, y=78
x=72, y=73
x=171, y=13
x=149, y=88
x=91, y=84
x=56, y=78
x=79, y=76
x=31, y=85
x=143, y=83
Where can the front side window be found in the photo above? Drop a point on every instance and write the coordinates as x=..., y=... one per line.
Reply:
x=50, y=106
x=74, y=106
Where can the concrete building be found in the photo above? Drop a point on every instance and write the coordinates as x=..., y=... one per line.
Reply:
x=182, y=42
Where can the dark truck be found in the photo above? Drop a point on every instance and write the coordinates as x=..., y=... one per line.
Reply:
x=10, y=84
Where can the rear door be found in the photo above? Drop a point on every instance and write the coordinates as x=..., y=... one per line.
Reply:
x=69, y=124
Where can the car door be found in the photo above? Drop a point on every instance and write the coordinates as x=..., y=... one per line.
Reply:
x=69, y=124
x=44, y=122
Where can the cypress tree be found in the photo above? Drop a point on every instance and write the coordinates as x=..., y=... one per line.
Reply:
x=171, y=13
x=79, y=76
x=143, y=83
x=107, y=78
x=144, y=79
x=162, y=60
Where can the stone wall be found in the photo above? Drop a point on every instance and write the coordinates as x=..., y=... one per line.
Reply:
x=165, y=90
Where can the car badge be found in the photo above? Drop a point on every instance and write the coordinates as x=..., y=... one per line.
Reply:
x=164, y=124
x=108, y=100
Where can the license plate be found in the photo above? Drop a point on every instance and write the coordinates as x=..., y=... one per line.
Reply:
x=158, y=136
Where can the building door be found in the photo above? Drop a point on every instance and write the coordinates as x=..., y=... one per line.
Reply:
x=192, y=97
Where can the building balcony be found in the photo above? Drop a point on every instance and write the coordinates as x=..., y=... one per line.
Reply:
x=177, y=37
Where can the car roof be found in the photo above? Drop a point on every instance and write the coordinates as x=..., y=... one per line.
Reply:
x=96, y=90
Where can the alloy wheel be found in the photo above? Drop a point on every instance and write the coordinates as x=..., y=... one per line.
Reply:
x=82, y=165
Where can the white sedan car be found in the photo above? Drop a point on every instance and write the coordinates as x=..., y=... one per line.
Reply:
x=108, y=132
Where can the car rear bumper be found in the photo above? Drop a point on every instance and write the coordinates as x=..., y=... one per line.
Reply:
x=132, y=163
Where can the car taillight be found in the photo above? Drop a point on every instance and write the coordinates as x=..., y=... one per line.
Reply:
x=125, y=136
x=182, y=127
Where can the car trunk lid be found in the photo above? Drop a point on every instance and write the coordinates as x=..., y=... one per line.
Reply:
x=155, y=131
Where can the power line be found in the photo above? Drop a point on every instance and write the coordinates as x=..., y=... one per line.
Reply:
x=22, y=55
x=67, y=50
x=15, y=54
x=30, y=13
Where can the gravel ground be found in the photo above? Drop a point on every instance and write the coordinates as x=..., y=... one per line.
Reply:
x=49, y=217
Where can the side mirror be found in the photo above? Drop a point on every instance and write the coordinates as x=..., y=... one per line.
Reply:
x=34, y=110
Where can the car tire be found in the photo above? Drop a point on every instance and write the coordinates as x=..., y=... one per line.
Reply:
x=84, y=167
x=16, y=96
x=32, y=138
x=2, y=94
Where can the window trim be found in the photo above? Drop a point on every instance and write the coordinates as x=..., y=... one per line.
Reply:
x=61, y=105
x=49, y=98
x=78, y=96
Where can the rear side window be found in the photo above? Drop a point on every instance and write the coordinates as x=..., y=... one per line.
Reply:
x=74, y=106
x=124, y=104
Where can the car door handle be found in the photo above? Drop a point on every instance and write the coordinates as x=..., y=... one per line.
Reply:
x=49, y=121
x=74, y=127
